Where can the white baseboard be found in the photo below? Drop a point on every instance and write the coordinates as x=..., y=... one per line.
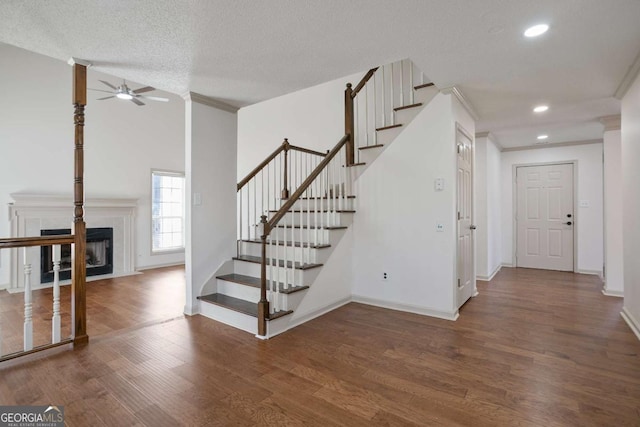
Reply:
x=491, y=276
x=406, y=307
x=272, y=329
x=151, y=267
x=508, y=265
x=611, y=293
x=631, y=321
x=592, y=272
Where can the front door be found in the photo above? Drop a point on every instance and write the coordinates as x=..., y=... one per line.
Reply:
x=466, y=276
x=544, y=216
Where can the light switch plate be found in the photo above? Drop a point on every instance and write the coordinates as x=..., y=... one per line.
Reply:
x=584, y=203
x=439, y=184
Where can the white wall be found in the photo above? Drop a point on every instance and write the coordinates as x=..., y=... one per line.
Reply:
x=123, y=142
x=613, y=250
x=589, y=220
x=631, y=202
x=487, y=207
x=311, y=118
x=211, y=136
x=394, y=230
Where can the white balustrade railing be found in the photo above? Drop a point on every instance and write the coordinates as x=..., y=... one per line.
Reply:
x=391, y=86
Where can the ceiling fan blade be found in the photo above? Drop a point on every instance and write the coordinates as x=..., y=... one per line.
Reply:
x=137, y=101
x=144, y=89
x=108, y=84
x=154, y=98
x=106, y=97
x=100, y=90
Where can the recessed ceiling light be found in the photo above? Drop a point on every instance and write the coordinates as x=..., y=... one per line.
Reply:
x=542, y=137
x=536, y=30
x=540, y=108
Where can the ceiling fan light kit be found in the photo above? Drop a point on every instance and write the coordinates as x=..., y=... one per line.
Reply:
x=124, y=92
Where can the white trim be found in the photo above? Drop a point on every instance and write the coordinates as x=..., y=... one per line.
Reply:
x=557, y=144
x=151, y=267
x=611, y=122
x=211, y=102
x=507, y=265
x=453, y=90
x=491, y=276
x=491, y=137
x=591, y=272
x=303, y=319
x=610, y=293
x=629, y=78
x=73, y=61
x=631, y=321
x=409, y=308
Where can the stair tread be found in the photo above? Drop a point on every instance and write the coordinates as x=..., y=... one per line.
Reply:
x=370, y=146
x=313, y=227
x=258, y=260
x=423, y=86
x=288, y=243
x=254, y=282
x=405, y=107
x=240, y=305
x=323, y=197
x=324, y=210
x=389, y=127
x=356, y=164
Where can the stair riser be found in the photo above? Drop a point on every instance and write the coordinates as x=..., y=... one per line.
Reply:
x=230, y=317
x=237, y=290
x=386, y=136
x=306, y=255
x=425, y=95
x=369, y=155
x=323, y=204
x=297, y=277
x=405, y=116
x=285, y=301
x=307, y=235
x=323, y=219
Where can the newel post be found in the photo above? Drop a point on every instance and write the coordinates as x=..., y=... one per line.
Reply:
x=263, y=305
x=349, y=126
x=285, y=188
x=78, y=258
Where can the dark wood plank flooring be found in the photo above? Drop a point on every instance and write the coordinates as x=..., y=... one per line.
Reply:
x=535, y=348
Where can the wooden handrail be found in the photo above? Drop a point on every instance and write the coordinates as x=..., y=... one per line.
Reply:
x=21, y=242
x=264, y=163
x=306, y=150
x=363, y=82
x=303, y=187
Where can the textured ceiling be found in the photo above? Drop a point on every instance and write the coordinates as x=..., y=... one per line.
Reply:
x=244, y=51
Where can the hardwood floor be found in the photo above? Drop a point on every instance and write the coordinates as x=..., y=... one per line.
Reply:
x=535, y=348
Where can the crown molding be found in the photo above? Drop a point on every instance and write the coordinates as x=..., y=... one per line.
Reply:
x=628, y=79
x=611, y=122
x=211, y=102
x=559, y=144
x=73, y=61
x=453, y=90
x=491, y=137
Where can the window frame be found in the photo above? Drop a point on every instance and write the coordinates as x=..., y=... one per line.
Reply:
x=173, y=250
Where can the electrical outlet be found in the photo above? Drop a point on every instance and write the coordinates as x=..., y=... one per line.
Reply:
x=385, y=276
x=440, y=227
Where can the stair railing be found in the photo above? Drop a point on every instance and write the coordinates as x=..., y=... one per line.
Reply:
x=264, y=188
x=372, y=103
x=324, y=193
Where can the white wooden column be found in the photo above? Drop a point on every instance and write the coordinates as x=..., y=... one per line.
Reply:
x=55, y=320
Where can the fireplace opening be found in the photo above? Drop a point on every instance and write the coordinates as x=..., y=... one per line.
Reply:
x=99, y=256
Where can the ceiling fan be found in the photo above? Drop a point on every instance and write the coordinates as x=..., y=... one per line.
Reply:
x=124, y=92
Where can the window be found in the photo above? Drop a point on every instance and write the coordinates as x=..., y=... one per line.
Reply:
x=167, y=211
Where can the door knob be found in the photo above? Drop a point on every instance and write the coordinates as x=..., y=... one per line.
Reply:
x=568, y=215
x=568, y=223
x=472, y=227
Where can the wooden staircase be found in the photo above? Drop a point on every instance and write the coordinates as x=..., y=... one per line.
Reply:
x=295, y=206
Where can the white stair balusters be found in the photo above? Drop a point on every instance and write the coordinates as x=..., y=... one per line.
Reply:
x=28, y=305
x=55, y=320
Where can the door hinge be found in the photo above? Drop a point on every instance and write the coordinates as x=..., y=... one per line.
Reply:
x=459, y=216
x=458, y=282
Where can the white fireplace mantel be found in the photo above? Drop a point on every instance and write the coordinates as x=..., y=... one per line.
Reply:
x=30, y=213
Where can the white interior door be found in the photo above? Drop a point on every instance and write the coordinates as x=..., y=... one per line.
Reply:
x=466, y=282
x=544, y=216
